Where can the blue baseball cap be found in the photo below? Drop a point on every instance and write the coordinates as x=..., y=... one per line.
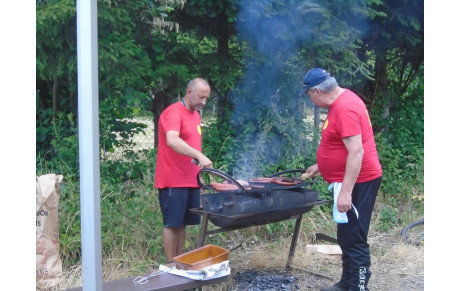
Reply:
x=314, y=77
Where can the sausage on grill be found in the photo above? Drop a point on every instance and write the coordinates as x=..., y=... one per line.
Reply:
x=226, y=186
x=261, y=180
x=285, y=181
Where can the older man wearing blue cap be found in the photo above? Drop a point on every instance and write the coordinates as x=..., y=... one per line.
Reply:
x=347, y=158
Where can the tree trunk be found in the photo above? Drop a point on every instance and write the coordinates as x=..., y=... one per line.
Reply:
x=223, y=50
x=160, y=100
x=379, y=89
x=55, y=95
x=316, y=121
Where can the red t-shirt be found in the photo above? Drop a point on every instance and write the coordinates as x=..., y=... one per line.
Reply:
x=347, y=116
x=173, y=169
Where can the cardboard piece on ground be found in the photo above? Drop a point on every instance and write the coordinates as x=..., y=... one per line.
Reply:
x=324, y=249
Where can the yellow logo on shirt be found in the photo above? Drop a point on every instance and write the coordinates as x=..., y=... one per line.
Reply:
x=368, y=117
x=198, y=128
x=326, y=123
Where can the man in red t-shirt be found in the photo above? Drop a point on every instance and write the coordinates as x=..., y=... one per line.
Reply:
x=347, y=156
x=179, y=141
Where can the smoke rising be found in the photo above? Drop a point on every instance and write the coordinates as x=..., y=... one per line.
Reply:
x=282, y=37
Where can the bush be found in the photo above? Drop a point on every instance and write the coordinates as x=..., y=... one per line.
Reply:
x=401, y=148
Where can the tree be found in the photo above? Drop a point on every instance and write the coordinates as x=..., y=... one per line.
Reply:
x=396, y=39
x=56, y=55
x=208, y=29
x=125, y=66
x=253, y=53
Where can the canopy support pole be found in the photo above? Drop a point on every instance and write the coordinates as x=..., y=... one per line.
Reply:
x=88, y=135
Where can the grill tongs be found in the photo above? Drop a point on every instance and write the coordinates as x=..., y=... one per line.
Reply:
x=220, y=174
x=254, y=189
x=281, y=173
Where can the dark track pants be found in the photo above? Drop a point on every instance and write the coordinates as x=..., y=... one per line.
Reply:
x=352, y=237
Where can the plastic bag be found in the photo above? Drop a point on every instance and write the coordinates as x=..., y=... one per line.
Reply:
x=339, y=217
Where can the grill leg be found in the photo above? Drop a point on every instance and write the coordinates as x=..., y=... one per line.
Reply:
x=295, y=236
x=204, y=228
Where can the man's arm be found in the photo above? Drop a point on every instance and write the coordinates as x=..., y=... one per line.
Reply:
x=355, y=149
x=181, y=147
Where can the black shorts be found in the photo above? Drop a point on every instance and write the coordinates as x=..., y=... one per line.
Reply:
x=175, y=204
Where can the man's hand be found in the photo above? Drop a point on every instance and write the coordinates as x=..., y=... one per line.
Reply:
x=204, y=162
x=312, y=171
x=344, y=201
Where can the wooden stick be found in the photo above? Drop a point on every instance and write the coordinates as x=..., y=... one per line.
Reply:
x=313, y=273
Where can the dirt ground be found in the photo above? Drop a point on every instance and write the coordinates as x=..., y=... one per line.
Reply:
x=395, y=265
x=260, y=265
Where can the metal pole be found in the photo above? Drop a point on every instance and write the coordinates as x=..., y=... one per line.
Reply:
x=88, y=133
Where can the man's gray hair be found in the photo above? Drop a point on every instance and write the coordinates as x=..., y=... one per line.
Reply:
x=327, y=85
x=192, y=83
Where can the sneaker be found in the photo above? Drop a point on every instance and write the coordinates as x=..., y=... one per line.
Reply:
x=335, y=287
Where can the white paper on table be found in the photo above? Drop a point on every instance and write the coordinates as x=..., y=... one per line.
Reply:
x=207, y=273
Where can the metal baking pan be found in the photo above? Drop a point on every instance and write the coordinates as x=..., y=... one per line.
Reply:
x=202, y=257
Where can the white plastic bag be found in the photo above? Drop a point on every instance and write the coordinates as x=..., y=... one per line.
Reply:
x=339, y=217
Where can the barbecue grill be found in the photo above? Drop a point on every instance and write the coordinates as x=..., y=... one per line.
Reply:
x=242, y=208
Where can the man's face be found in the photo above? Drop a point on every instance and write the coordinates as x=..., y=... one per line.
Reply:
x=199, y=97
x=315, y=96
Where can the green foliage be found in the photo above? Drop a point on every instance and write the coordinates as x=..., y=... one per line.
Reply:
x=69, y=220
x=279, y=228
x=125, y=71
x=64, y=143
x=401, y=143
x=56, y=39
x=399, y=168
x=43, y=131
x=130, y=214
x=217, y=140
x=388, y=218
x=130, y=217
x=61, y=132
x=332, y=39
x=118, y=132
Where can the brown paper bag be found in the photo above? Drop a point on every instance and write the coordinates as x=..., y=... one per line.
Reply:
x=49, y=264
